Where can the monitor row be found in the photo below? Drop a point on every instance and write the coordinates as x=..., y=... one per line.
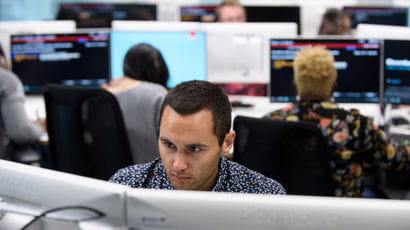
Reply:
x=101, y=14
x=368, y=69
x=38, y=198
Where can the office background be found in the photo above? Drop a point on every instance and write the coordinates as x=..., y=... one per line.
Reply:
x=168, y=10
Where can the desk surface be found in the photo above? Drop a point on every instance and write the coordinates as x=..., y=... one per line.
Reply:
x=260, y=106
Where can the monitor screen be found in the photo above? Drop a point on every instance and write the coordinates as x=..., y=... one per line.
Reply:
x=73, y=59
x=376, y=15
x=274, y=14
x=134, y=12
x=397, y=71
x=93, y=15
x=198, y=13
x=357, y=63
x=253, y=13
x=185, y=210
x=184, y=52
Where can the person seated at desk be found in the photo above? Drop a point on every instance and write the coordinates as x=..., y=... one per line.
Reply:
x=140, y=94
x=194, y=135
x=16, y=130
x=335, y=22
x=230, y=11
x=355, y=142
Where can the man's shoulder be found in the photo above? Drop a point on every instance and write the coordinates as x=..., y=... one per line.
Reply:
x=250, y=181
x=135, y=175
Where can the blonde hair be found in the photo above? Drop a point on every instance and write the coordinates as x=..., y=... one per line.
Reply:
x=314, y=72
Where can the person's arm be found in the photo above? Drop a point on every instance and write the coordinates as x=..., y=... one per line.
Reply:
x=17, y=125
x=389, y=154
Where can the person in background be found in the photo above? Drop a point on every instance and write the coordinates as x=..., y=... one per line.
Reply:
x=230, y=11
x=355, y=142
x=195, y=133
x=140, y=94
x=335, y=22
x=15, y=127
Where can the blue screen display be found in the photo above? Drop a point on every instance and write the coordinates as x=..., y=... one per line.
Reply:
x=184, y=52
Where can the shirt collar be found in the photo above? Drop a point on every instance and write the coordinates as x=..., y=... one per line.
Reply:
x=220, y=182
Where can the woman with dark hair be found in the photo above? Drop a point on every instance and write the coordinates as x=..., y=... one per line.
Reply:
x=335, y=22
x=140, y=94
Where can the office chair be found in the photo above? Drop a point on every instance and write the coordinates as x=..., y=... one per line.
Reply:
x=86, y=131
x=293, y=153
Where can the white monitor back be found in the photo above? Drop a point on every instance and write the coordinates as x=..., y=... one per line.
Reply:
x=131, y=25
x=383, y=31
x=32, y=27
x=183, y=210
x=32, y=190
x=239, y=52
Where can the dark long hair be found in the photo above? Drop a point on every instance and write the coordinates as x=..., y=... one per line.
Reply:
x=144, y=62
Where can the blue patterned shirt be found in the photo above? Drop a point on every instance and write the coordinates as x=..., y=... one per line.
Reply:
x=232, y=177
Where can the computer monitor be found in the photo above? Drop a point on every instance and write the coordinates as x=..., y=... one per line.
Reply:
x=184, y=52
x=253, y=13
x=357, y=62
x=169, y=209
x=376, y=15
x=198, y=13
x=237, y=51
x=397, y=71
x=69, y=58
x=31, y=27
x=94, y=15
x=274, y=14
x=29, y=191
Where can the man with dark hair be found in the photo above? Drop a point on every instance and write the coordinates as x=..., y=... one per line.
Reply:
x=193, y=137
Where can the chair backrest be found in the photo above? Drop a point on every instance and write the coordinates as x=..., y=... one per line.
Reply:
x=86, y=131
x=293, y=153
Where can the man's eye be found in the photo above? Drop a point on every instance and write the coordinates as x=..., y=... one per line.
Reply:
x=169, y=144
x=194, y=149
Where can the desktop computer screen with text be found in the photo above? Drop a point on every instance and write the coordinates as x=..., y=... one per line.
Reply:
x=357, y=63
x=397, y=71
x=73, y=59
x=184, y=52
x=91, y=15
x=376, y=15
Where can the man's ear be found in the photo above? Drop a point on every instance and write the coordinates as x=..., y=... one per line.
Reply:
x=228, y=142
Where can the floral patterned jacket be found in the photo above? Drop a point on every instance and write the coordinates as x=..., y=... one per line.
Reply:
x=355, y=143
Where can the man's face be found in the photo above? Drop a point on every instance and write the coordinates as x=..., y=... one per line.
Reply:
x=189, y=149
x=232, y=14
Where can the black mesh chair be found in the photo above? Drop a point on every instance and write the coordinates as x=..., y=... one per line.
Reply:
x=293, y=153
x=86, y=131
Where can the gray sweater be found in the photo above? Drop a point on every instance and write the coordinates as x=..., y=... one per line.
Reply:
x=14, y=124
x=140, y=107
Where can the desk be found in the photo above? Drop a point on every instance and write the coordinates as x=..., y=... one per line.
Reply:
x=35, y=106
x=262, y=105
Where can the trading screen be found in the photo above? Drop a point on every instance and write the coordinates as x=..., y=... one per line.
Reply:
x=74, y=59
x=357, y=63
